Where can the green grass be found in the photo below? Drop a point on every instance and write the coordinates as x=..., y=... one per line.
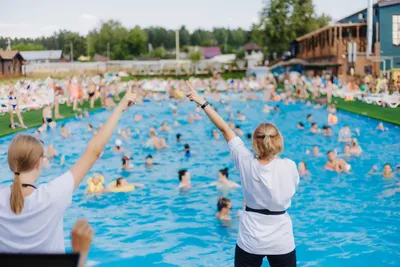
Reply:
x=387, y=114
x=33, y=118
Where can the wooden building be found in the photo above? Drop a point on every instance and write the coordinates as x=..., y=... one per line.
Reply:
x=11, y=63
x=344, y=45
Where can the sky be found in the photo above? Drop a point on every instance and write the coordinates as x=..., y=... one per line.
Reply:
x=34, y=18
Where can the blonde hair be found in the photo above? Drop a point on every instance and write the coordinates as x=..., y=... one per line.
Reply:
x=267, y=141
x=24, y=154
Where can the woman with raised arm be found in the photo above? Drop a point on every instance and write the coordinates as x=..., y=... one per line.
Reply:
x=31, y=217
x=269, y=183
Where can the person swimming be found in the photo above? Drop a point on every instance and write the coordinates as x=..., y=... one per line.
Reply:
x=90, y=127
x=65, y=132
x=334, y=164
x=346, y=150
x=224, y=207
x=223, y=181
x=238, y=131
x=95, y=184
x=184, y=179
x=126, y=163
x=50, y=152
x=387, y=170
x=302, y=168
x=345, y=134
x=314, y=128
x=149, y=161
x=187, y=150
x=249, y=136
x=355, y=148
x=215, y=134
x=178, y=137
x=240, y=116
x=164, y=127
x=300, y=126
x=380, y=127
x=118, y=146
x=327, y=130
x=309, y=118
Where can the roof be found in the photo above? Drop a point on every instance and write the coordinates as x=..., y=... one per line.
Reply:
x=251, y=46
x=211, y=51
x=380, y=4
x=388, y=3
x=10, y=54
x=98, y=57
x=41, y=55
x=305, y=36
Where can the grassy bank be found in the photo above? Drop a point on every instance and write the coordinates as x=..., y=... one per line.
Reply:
x=387, y=114
x=33, y=118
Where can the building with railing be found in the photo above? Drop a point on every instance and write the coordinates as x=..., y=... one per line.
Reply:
x=347, y=46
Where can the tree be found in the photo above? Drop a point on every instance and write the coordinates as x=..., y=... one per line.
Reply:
x=137, y=40
x=184, y=36
x=78, y=42
x=323, y=20
x=27, y=47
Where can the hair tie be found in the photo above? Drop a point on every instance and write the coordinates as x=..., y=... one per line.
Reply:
x=16, y=173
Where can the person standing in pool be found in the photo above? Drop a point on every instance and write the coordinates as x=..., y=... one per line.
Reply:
x=184, y=179
x=31, y=217
x=223, y=181
x=268, y=183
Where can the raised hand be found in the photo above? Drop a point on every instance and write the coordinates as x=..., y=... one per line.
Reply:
x=192, y=95
x=81, y=236
x=129, y=98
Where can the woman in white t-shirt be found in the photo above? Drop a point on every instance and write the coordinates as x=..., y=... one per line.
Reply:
x=31, y=219
x=269, y=183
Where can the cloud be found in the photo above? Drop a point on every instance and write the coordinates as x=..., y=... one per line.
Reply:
x=87, y=16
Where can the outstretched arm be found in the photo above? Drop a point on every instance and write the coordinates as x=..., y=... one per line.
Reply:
x=212, y=114
x=98, y=142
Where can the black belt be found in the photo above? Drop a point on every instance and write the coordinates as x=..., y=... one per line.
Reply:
x=265, y=212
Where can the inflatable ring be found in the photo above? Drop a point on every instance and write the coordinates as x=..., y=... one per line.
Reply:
x=95, y=188
x=113, y=188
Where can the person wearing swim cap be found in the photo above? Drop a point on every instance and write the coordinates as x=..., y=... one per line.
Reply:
x=118, y=147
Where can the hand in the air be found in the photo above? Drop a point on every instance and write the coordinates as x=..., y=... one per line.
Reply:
x=81, y=236
x=129, y=99
x=193, y=95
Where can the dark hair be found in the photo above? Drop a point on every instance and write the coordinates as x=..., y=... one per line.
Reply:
x=237, y=126
x=222, y=203
x=118, y=182
x=301, y=124
x=90, y=125
x=125, y=159
x=187, y=146
x=149, y=157
x=309, y=115
x=387, y=164
x=224, y=172
x=62, y=125
x=249, y=136
x=181, y=173
x=312, y=124
x=329, y=152
x=178, y=136
x=324, y=127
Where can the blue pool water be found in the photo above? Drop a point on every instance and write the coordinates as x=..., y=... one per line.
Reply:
x=339, y=219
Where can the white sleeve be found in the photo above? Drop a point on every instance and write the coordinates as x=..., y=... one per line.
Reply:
x=61, y=190
x=238, y=150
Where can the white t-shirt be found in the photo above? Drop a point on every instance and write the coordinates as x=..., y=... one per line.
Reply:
x=39, y=228
x=269, y=187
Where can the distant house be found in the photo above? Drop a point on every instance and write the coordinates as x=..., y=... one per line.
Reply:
x=44, y=56
x=211, y=51
x=100, y=58
x=250, y=47
x=11, y=63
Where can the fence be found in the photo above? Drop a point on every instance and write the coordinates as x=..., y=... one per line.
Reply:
x=159, y=67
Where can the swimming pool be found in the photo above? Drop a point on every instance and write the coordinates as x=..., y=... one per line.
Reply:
x=339, y=220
